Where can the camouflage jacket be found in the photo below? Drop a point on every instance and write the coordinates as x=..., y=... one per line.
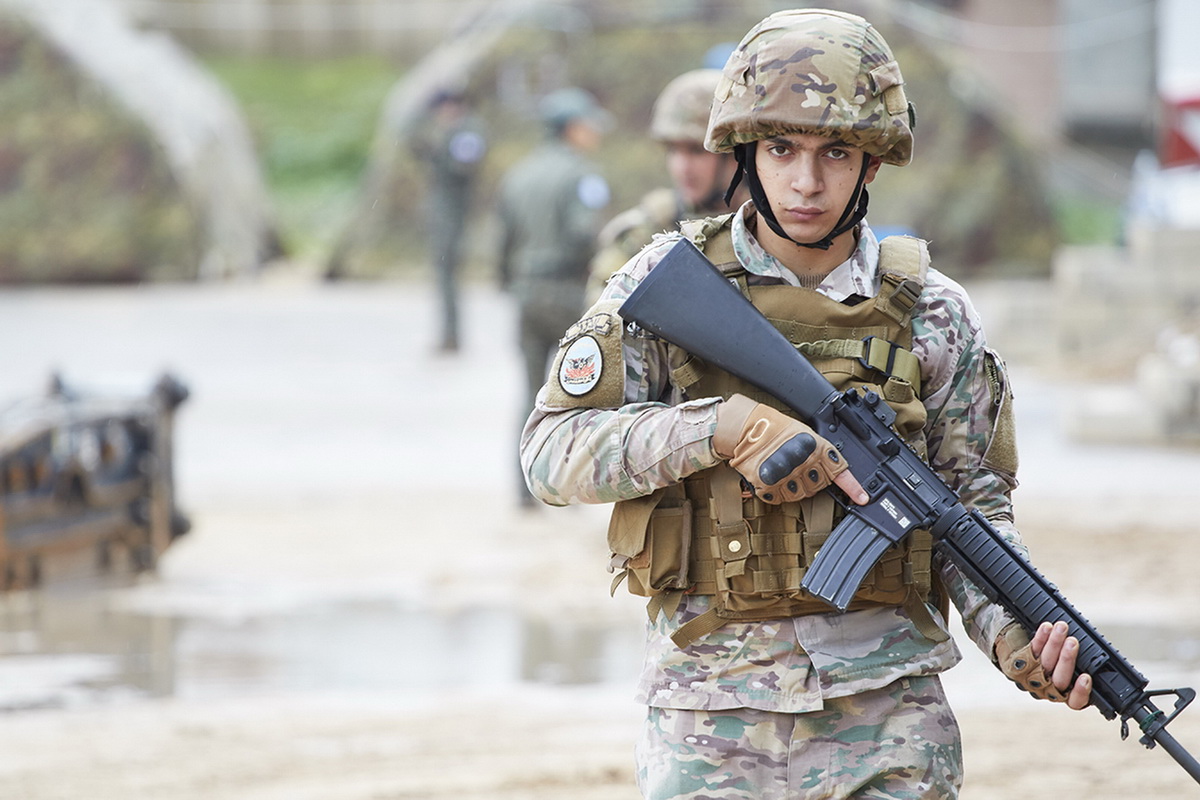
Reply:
x=654, y=439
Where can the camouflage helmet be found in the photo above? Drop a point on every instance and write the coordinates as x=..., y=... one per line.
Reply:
x=682, y=109
x=814, y=71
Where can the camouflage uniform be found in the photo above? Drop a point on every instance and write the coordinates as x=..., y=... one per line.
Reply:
x=794, y=665
x=857, y=746
x=815, y=705
x=623, y=236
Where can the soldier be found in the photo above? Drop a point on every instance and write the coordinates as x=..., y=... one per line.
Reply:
x=699, y=178
x=549, y=209
x=453, y=146
x=754, y=688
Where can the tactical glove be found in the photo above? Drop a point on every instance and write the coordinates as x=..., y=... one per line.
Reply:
x=781, y=457
x=1014, y=654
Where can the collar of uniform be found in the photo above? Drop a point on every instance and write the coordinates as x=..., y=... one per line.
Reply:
x=857, y=275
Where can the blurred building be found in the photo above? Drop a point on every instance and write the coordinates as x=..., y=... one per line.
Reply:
x=1130, y=314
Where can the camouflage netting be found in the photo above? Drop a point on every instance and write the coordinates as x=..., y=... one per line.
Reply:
x=119, y=158
x=974, y=187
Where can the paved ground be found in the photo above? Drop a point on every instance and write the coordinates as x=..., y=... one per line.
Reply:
x=361, y=612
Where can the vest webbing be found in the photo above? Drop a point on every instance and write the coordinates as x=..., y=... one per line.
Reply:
x=750, y=555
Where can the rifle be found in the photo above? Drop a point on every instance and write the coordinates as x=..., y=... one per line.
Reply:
x=682, y=298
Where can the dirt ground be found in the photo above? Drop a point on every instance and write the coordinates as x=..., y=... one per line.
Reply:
x=307, y=484
x=535, y=742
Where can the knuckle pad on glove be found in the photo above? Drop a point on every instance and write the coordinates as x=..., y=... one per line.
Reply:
x=1026, y=671
x=783, y=462
x=782, y=457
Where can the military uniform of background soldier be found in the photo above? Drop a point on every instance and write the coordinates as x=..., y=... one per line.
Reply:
x=550, y=207
x=698, y=178
x=453, y=147
x=755, y=689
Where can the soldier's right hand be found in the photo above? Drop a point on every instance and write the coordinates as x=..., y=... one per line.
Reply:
x=782, y=458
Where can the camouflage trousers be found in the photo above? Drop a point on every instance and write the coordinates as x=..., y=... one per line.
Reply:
x=896, y=743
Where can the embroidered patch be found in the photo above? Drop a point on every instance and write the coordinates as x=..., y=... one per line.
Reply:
x=589, y=368
x=581, y=366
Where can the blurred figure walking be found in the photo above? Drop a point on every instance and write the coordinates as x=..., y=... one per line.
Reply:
x=550, y=207
x=453, y=147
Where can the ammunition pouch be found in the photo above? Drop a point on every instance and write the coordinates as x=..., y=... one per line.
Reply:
x=704, y=537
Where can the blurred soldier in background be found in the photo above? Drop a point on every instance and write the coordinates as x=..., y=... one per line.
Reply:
x=549, y=208
x=699, y=178
x=452, y=146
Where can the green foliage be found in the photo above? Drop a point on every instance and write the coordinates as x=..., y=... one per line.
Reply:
x=1088, y=219
x=312, y=123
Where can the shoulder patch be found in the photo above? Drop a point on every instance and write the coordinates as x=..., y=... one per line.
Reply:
x=581, y=367
x=593, y=191
x=467, y=147
x=589, y=369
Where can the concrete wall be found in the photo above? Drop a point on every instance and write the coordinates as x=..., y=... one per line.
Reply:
x=1010, y=46
x=1084, y=68
x=1127, y=320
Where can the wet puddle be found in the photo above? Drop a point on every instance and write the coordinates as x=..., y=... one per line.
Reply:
x=74, y=649
x=80, y=648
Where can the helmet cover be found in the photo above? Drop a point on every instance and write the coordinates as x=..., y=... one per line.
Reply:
x=683, y=107
x=813, y=71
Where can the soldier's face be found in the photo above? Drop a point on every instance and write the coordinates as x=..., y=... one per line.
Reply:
x=696, y=173
x=809, y=180
x=583, y=135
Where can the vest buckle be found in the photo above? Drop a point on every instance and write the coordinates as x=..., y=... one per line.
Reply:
x=906, y=294
x=878, y=354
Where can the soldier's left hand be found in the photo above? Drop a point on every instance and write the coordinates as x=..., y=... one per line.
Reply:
x=1044, y=666
x=780, y=456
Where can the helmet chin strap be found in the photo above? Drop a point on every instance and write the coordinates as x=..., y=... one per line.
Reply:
x=856, y=207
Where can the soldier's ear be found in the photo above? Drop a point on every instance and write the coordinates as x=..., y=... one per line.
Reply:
x=873, y=164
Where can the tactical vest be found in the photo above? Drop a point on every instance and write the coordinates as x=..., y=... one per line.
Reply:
x=709, y=535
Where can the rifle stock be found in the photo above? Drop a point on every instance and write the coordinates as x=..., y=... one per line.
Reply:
x=687, y=302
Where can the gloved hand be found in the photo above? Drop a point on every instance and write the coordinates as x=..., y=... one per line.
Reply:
x=781, y=457
x=1022, y=661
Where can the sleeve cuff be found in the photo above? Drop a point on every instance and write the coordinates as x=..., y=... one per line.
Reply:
x=731, y=418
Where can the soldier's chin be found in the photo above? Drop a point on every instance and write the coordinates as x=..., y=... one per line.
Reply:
x=694, y=196
x=806, y=234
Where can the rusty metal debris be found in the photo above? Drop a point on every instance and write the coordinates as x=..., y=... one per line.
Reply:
x=87, y=479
